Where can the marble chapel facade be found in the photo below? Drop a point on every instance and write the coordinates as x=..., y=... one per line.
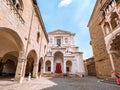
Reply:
x=63, y=56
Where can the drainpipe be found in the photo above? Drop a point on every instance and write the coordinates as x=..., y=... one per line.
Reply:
x=28, y=41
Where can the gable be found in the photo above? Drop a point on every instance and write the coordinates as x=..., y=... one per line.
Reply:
x=59, y=32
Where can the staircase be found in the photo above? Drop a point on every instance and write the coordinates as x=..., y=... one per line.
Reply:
x=47, y=75
x=57, y=75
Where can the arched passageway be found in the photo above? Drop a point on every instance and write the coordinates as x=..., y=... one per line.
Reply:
x=48, y=66
x=10, y=46
x=8, y=64
x=68, y=66
x=31, y=60
x=58, y=62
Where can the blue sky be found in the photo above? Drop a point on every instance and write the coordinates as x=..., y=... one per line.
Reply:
x=69, y=15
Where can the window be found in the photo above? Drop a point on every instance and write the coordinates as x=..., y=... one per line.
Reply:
x=44, y=48
x=35, y=2
x=51, y=40
x=66, y=40
x=14, y=2
x=114, y=20
x=59, y=42
x=18, y=4
x=38, y=36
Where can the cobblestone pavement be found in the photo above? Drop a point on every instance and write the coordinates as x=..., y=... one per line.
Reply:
x=86, y=83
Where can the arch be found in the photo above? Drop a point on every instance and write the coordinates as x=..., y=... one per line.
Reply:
x=9, y=67
x=58, y=61
x=110, y=41
x=68, y=66
x=48, y=66
x=115, y=51
x=31, y=62
x=10, y=46
x=9, y=41
x=114, y=20
x=115, y=43
x=8, y=63
x=58, y=54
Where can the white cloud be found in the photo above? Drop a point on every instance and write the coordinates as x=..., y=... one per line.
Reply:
x=64, y=3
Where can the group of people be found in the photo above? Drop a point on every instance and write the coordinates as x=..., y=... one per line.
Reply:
x=117, y=76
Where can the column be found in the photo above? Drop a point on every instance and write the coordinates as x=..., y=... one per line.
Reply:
x=64, y=67
x=111, y=60
x=110, y=25
x=19, y=76
x=102, y=26
x=35, y=70
x=52, y=66
x=44, y=66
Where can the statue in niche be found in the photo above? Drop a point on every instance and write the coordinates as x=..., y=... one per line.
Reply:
x=117, y=21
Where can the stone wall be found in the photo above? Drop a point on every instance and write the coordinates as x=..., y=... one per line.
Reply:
x=102, y=62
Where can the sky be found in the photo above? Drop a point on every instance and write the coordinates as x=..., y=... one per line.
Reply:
x=72, y=16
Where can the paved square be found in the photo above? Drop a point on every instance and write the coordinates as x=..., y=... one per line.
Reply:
x=87, y=83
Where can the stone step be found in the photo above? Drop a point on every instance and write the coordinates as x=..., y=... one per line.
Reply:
x=56, y=75
x=109, y=80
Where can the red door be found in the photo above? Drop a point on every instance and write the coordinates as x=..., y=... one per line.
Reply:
x=58, y=68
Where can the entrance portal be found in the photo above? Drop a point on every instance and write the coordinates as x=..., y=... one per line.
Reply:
x=58, y=68
x=58, y=62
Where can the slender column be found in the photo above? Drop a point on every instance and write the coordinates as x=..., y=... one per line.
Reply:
x=102, y=26
x=110, y=25
x=111, y=60
x=64, y=67
x=44, y=67
x=52, y=65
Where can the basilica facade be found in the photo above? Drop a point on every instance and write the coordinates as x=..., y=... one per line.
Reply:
x=63, y=56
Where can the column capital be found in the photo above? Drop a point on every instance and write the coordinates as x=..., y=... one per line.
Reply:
x=21, y=59
x=36, y=64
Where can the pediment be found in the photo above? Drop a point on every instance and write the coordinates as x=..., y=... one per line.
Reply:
x=59, y=32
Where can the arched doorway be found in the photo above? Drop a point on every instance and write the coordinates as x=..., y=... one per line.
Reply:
x=10, y=46
x=115, y=51
x=9, y=64
x=48, y=66
x=31, y=60
x=40, y=68
x=58, y=62
x=68, y=66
